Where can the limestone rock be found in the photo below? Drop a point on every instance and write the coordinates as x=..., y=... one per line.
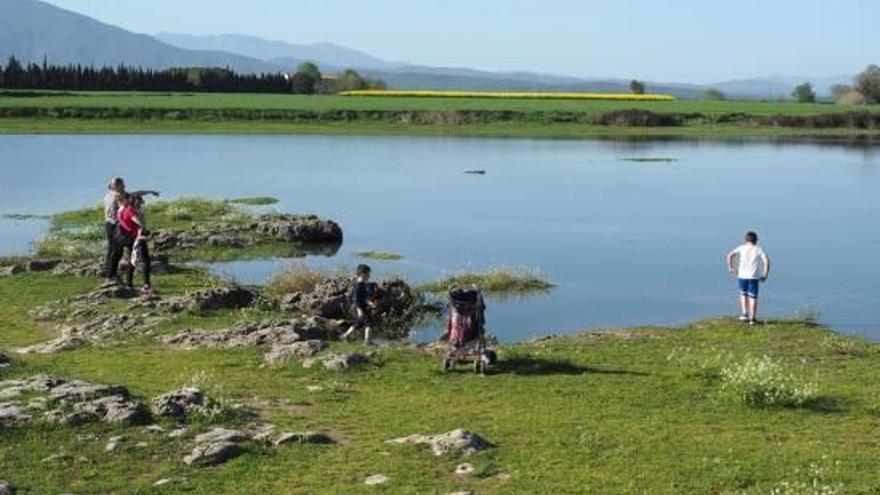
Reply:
x=376, y=479
x=456, y=441
x=222, y=435
x=282, y=353
x=212, y=299
x=6, y=488
x=212, y=453
x=313, y=437
x=255, y=334
x=299, y=228
x=181, y=404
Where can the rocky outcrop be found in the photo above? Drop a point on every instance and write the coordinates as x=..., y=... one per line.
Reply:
x=67, y=402
x=453, y=442
x=94, y=330
x=299, y=228
x=212, y=299
x=332, y=299
x=256, y=334
x=182, y=404
x=212, y=453
x=34, y=265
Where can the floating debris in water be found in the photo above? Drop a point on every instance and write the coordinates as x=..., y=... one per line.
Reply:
x=475, y=172
x=24, y=216
x=649, y=160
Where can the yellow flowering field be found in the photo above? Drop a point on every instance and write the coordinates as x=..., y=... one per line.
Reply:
x=511, y=95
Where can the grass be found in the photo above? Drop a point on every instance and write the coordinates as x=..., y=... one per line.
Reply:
x=498, y=281
x=255, y=201
x=380, y=255
x=590, y=413
x=297, y=277
x=290, y=114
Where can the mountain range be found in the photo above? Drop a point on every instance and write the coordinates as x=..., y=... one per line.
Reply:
x=33, y=31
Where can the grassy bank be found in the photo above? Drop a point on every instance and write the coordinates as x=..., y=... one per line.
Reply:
x=632, y=411
x=288, y=114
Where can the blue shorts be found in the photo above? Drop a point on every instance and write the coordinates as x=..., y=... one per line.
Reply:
x=748, y=287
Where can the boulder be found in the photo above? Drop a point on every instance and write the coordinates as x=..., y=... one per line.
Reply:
x=332, y=299
x=313, y=437
x=299, y=228
x=181, y=404
x=8, y=271
x=212, y=299
x=42, y=265
x=282, y=353
x=456, y=441
x=222, y=435
x=13, y=412
x=212, y=453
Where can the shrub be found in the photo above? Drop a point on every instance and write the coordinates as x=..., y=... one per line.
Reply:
x=868, y=83
x=715, y=94
x=762, y=382
x=497, y=280
x=295, y=278
x=636, y=118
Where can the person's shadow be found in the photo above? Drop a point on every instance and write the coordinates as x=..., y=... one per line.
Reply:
x=520, y=365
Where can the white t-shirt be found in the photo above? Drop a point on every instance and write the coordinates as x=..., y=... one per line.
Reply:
x=752, y=261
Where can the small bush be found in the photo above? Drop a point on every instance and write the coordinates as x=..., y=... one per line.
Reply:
x=295, y=278
x=762, y=382
x=637, y=118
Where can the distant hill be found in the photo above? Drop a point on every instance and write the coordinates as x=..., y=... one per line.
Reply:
x=33, y=30
x=278, y=52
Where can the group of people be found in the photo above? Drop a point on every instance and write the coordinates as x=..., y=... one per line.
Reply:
x=126, y=228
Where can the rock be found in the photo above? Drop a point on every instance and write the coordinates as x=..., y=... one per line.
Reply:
x=464, y=469
x=212, y=453
x=331, y=299
x=179, y=432
x=154, y=429
x=53, y=346
x=142, y=445
x=255, y=334
x=8, y=271
x=212, y=299
x=89, y=268
x=113, y=444
x=222, y=435
x=456, y=441
x=6, y=488
x=167, y=481
x=313, y=437
x=12, y=412
x=4, y=361
x=376, y=479
x=282, y=353
x=299, y=228
x=262, y=432
x=42, y=265
x=342, y=362
x=181, y=404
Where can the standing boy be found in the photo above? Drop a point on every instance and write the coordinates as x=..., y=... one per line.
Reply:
x=754, y=267
x=363, y=294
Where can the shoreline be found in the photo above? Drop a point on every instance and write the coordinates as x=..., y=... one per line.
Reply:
x=513, y=130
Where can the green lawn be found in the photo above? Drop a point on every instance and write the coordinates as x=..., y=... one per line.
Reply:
x=329, y=102
x=609, y=413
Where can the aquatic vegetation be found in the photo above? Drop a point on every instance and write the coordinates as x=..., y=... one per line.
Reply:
x=298, y=277
x=649, y=160
x=380, y=255
x=499, y=280
x=510, y=95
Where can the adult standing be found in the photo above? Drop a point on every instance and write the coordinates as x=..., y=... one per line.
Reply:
x=116, y=188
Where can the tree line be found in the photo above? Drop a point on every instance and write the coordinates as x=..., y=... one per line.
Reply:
x=74, y=77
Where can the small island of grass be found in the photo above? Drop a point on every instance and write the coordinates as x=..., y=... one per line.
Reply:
x=498, y=281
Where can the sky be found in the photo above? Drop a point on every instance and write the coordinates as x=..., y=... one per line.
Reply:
x=698, y=41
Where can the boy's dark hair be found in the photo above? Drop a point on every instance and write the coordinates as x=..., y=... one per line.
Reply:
x=363, y=270
x=751, y=237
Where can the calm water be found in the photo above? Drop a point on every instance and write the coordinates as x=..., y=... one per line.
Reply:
x=628, y=243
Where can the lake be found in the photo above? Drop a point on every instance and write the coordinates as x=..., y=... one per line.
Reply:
x=628, y=242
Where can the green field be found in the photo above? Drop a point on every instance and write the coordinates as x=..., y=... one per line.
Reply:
x=290, y=114
x=608, y=413
x=323, y=103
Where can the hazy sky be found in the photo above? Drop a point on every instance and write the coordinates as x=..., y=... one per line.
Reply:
x=675, y=40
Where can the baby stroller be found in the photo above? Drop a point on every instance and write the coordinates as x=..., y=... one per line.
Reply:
x=466, y=332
